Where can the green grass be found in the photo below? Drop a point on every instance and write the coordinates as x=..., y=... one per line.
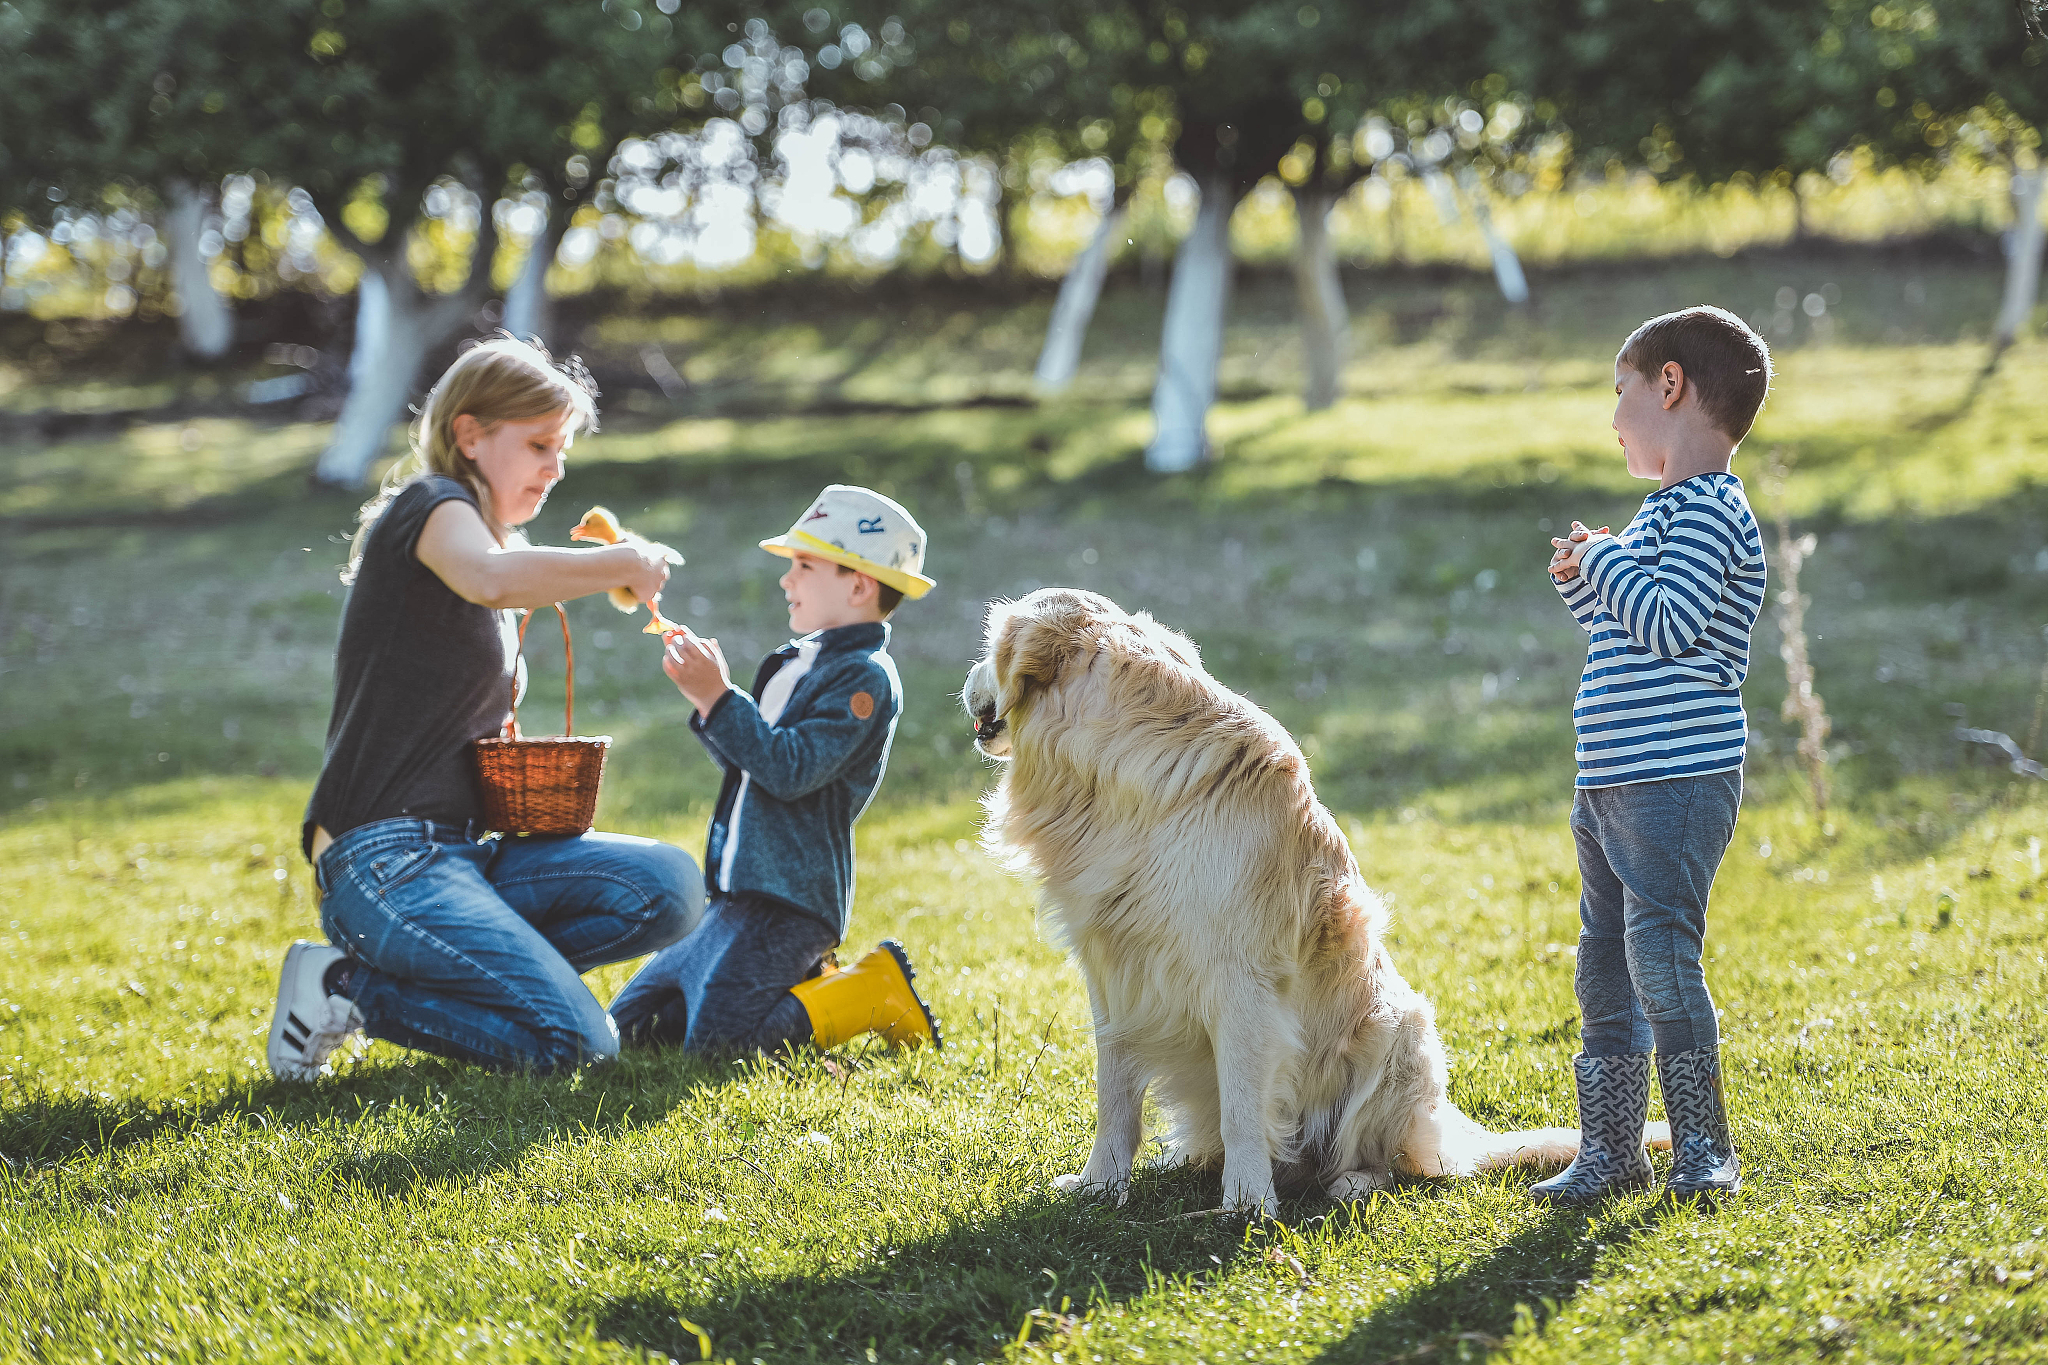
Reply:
x=1371, y=574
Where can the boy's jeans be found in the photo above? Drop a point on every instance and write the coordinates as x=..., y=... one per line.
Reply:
x=725, y=988
x=474, y=950
x=1647, y=856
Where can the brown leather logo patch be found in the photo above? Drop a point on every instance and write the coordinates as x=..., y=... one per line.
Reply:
x=863, y=705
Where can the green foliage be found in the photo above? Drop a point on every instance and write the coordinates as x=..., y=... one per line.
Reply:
x=396, y=95
x=371, y=101
x=61, y=135
x=1750, y=87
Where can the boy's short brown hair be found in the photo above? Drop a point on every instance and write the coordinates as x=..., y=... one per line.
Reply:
x=1720, y=354
x=887, y=599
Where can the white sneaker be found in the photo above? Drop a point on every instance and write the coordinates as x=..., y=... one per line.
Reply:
x=309, y=1023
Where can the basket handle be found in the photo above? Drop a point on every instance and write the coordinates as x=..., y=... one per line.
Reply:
x=569, y=658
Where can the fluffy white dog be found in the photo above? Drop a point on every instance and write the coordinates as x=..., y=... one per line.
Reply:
x=1233, y=953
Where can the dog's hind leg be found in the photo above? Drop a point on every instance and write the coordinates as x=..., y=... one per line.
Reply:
x=1119, y=1117
x=1248, y=1054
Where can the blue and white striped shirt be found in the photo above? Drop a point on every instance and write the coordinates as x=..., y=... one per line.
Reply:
x=1669, y=604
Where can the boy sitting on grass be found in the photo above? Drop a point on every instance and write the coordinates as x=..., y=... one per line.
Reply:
x=803, y=754
x=1669, y=604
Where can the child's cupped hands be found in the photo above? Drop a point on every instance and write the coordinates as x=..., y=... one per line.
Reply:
x=697, y=667
x=1568, y=550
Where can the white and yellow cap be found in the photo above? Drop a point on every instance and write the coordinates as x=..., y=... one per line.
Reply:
x=863, y=530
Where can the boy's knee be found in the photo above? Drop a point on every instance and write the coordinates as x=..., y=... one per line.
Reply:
x=675, y=893
x=1660, y=968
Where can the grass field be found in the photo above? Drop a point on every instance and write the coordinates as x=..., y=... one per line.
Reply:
x=1373, y=575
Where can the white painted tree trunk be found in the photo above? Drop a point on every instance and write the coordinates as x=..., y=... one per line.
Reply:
x=1443, y=196
x=373, y=324
x=2023, y=262
x=1191, y=341
x=397, y=327
x=1325, y=319
x=1075, y=306
x=526, y=302
x=206, y=325
x=1507, y=266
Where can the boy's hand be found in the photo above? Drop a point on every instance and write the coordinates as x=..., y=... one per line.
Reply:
x=1564, y=563
x=697, y=668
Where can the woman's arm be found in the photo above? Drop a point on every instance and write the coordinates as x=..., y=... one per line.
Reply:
x=461, y=551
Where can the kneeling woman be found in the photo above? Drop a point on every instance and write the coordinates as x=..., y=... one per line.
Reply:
x=446, y=942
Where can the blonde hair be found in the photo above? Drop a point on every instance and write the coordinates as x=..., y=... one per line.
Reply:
x=500, y=380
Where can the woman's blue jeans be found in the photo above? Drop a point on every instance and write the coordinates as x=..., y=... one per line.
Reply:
x=474, y=950
x=1648, y=852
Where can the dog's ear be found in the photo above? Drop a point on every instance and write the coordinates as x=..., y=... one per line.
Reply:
x=1032, y=640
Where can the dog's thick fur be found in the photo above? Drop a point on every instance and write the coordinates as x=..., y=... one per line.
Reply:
x=1233, y=953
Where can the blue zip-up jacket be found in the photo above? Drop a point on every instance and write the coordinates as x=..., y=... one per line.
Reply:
x=814, y=771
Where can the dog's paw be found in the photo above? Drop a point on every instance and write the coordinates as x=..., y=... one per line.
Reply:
x=1252, y=1203
x=1658, y=1135
x=1356, y=1185
x=1068, y=1184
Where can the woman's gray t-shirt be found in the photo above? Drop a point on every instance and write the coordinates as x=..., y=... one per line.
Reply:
x=418, y=674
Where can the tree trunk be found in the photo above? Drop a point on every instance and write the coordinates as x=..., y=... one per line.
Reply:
x=397, y=327
x=1076, y=305
x=2023, y=260
x=526, y=302
x=1325, y=321
x=373, y=324
x=1444, y=196
x=1191, y=343
x=206, y=326
x=1507, y=266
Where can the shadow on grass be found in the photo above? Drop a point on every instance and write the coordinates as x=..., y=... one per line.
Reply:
x=1036, y=1269
x=477, y=1121
x=1480, y=1304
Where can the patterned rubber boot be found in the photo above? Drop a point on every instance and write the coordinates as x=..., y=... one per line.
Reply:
x=1614, y=1098
x=1703, y=1160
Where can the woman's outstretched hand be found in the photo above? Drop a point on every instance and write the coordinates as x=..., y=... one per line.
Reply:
x=646, y=569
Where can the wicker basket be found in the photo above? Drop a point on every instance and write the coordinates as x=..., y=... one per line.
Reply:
x=541, y=786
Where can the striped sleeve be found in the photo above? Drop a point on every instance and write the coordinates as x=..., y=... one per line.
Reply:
x=1579, y=599
x=1668, y=608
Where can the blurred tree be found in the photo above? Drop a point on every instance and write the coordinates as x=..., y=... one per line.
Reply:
x=1238, y=92
x=1748, y=87
x=403, y=122
x=1967, y=81
x=1284, y=88
x=83, y=81
x=1015, y=84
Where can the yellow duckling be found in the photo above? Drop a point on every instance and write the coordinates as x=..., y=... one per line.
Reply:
x=600, y=525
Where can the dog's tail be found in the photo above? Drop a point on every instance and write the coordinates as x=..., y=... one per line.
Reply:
x=1465, y=1147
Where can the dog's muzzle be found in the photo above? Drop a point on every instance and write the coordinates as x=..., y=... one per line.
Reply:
x=987, y=727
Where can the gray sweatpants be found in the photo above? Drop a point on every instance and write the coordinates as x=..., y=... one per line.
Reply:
x=1648, y=852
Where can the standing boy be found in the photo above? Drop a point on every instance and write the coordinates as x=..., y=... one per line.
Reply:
x=1669, y=604
x=803, y=754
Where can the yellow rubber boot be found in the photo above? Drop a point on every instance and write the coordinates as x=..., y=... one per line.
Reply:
x=873, y=995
